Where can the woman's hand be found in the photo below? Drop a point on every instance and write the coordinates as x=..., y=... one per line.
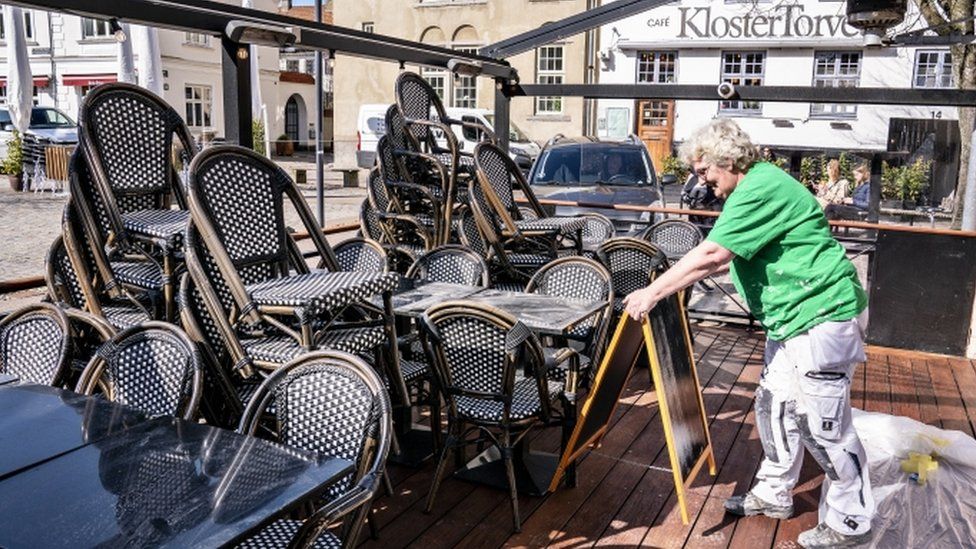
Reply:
x=639, y=303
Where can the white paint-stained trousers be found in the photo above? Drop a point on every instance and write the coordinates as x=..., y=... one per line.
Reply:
x=804, y=401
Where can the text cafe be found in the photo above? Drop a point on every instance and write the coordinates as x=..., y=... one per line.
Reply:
x=759, y=43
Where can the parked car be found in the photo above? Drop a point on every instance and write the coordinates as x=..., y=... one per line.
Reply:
x=371, y=125
x=588, y=171
x=47, y=126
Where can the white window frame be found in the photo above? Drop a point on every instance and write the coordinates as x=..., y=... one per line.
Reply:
x=739, y=107
x=832, y=69
x=203, y=117
x=97, y=26
x=369, y=26
x=550, y=68
x=941, y=77
x=464, y=89
x=438, y=80
x=293, y=65
x=3, y=95
x=653, y=70
x=28, y=27
x=198, y=39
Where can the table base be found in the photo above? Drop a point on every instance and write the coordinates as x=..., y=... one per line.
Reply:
x=416, y=447
x=533, y=471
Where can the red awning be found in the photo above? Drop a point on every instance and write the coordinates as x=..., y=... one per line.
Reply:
x=88, y=79
x=39, y=81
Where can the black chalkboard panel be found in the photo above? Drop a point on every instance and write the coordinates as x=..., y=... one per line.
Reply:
x=679, y=394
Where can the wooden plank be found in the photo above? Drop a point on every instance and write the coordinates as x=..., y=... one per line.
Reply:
x=928, y=408
x=964, y=372
x=877, y=393
x=952, y=411
x=904, y=400
x=859, y=386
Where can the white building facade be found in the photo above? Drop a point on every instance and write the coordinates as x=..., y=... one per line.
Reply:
x=69, y=55
x=802, y=44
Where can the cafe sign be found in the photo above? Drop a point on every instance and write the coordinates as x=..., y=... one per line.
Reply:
x=783, y=21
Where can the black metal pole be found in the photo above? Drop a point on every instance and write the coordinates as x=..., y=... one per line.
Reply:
x=503, y=106
x=319, y=128
x=874, y=202
x=237, y=92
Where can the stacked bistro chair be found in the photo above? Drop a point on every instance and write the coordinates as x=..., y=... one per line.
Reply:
x=153, y=367
x=266, y=291
x=413, y=185
x=584, y=279
x=429, y=129
x=477, y=352
x=394, y=227
x=127, y=137
x=332, y=403
x=674, y=237
x=632, y=262
x=513, y=258
x=399, y=257
x=499, y=177
x=80, y=277
x=35, y=344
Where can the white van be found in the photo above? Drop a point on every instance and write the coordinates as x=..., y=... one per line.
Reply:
x=371, y=126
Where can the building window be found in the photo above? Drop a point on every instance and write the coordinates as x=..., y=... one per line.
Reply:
x=198, y=104
x=742, y=68
x=28, y=26
x=95, y=28
x=437, y=80
x=657, y=67
x=3, y=95
x=368, y=26
x=293, y=65
x=835, y=70
x=197, y=39
x=466, y=87
x=550, y=69
x=933, y=69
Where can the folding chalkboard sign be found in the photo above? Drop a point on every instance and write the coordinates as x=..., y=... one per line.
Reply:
x=665, y=336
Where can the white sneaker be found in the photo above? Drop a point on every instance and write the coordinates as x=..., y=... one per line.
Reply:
x=824, y=536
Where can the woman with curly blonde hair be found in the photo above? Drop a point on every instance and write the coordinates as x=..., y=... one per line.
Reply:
x=800, y=285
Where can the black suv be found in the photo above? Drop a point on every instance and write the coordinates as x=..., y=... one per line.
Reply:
x=592, y=172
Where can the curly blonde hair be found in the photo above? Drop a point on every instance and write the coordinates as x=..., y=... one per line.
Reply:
x=723, y=143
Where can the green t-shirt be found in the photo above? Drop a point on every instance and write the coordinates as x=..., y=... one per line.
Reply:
x=792, y=272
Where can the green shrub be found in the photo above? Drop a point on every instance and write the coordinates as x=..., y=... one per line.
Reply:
x=673, y=165
x=906, y=182
x=257, y=130
x=14, y=163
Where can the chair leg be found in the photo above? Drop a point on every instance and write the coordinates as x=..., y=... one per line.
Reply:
x=374, y=532
x=387, y=483
x=441, y=463
x=506, y=451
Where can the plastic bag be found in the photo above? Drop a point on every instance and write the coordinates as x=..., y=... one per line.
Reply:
x=940, y=513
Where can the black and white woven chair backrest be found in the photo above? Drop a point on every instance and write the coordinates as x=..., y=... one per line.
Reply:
x=63, y=284
x=574, y=277
x=84, y=192
x=484, y=211
x=34, y=344
x=470, y=233
x=370, y=225
x=418, y=101
x=476, y=350
x=378, y=195
x=196, y=318
x=203, y=268
x=451, y=263
x=242, y=196
x=674, y=237
x=129, y=134
x=498, y=169
x=631, y=261
x=598, y=227
x=396, y=130
x=391, y=168
x=361, y=255
x=153, y=367
x=328, y=402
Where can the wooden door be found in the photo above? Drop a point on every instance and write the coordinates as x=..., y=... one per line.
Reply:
x=655, y=126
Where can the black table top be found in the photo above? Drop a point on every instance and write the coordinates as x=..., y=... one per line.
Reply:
x=539, y=312
x=165, y=482
x=39, y=422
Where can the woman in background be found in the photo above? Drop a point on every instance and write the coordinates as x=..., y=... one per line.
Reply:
x=834, y=191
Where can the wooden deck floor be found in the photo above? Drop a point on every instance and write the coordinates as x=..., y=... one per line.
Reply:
x=625, y=496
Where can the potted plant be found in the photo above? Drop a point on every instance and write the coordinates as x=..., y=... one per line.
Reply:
x=913, y=182
x=674, y=166
x=284, y=146
x=13, y=165
x=891, y=194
